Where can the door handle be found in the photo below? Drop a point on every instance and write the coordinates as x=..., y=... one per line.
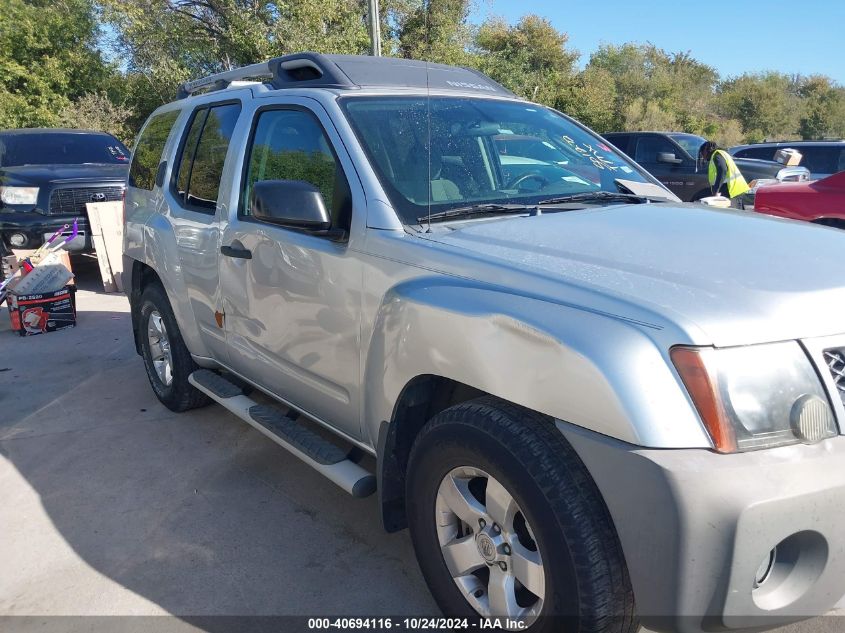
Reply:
x=232, y=251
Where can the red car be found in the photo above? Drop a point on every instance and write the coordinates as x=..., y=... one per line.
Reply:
x=821, y=201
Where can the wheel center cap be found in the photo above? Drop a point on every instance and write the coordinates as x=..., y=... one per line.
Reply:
x=486, y=547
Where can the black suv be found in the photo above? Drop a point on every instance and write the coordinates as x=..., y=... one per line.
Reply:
x=47, y=176
x=822, y=158
x=672, y=158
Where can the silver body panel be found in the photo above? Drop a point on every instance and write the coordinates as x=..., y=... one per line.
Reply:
x=570, y=314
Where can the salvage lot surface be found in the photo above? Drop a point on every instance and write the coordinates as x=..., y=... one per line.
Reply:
x=112, y=505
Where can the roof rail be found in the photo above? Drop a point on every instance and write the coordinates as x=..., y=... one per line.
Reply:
x=350, y=71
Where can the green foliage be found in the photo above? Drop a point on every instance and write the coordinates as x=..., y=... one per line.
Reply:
x=48, y=58
x=95, y=111
x=529, y=57
x=591, y=98
x=435, y=30
x=52, y=72
x=766, y=105
x=823, y=113
x=657, y=90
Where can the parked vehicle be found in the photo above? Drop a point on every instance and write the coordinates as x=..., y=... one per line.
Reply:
x=821, y=158
x=583, y=398
x=820, y=201
x=672, y=157
x=47, y=176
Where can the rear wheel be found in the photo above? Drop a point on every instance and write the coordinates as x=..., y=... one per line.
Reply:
x=506, y=522
x=166, y=359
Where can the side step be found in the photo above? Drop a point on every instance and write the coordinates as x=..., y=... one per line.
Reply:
x=313, y=449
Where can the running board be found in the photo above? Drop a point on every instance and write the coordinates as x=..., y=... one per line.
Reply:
x=322, y=455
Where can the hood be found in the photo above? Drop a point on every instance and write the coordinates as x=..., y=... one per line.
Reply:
x=725, y=277
x=42, y=174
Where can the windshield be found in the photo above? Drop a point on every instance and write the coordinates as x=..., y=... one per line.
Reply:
x=54, y=148
x=483, y=151
x=690, y=142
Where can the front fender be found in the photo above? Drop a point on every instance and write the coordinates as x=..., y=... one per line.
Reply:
x=593, y=370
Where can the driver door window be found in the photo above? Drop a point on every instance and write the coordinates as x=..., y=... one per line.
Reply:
x=291, y=145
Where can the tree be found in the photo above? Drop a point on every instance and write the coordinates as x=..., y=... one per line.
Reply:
x=95, y=111
x=48, y=57
x=590, y=97
x=529, y=57
x=641, y=115
x=435, y=30
x=657, y=89
x=170, y=41
x=823, y=108
x=766, y=105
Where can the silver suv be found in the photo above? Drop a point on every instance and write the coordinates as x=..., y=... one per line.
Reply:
x=585, y=399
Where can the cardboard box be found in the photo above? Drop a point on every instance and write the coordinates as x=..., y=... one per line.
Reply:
x=39, y=313
x=788, y=157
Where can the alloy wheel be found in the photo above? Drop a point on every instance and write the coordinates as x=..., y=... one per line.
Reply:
x=160, y=354
x=488, y=546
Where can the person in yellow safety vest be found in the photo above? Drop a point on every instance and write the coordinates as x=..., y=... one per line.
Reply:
x=722, y=173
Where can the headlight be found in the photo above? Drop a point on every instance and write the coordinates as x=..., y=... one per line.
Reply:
x=762, y=182
x=755, y=397
x=19, y=195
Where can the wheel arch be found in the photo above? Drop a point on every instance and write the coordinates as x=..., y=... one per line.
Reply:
x=701, y=194
x=834, y=223
x=141, y=275
x=421, y=399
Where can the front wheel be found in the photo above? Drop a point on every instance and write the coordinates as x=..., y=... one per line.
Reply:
x=506, y=522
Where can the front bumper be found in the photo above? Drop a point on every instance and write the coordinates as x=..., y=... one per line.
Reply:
x=36, y=227
x=695, y=527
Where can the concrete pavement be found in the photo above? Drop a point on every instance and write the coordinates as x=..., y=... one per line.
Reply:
x=112, y=505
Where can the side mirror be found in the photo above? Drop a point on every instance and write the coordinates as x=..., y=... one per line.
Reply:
x=669, y=158
x=295, y=204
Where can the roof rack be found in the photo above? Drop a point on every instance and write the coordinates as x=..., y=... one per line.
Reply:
x=349, y=71
x=220, y=81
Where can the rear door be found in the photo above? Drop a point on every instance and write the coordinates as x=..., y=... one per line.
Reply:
x=192, y=199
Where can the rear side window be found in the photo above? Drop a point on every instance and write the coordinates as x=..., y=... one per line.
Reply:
x=621, y=141
x=148, y=151
x=762, y=153
x=821, y=159
x=203, y=153
x=291, y=145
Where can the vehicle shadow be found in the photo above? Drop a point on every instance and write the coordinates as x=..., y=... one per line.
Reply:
x=113, y=505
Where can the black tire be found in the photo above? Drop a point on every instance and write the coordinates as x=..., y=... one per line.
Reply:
x=587, y=587
x=701, y=194
x=179, y=395
x=833, y=223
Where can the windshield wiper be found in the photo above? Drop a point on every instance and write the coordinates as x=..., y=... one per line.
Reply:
x=474, y=209
x=599, y=195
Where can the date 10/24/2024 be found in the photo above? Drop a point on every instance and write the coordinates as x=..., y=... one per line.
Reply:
x=416, y=624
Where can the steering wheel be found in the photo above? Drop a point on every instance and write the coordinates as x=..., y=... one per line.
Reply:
x=531, y=175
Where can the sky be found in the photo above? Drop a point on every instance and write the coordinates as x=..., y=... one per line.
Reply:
x=796, y=36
